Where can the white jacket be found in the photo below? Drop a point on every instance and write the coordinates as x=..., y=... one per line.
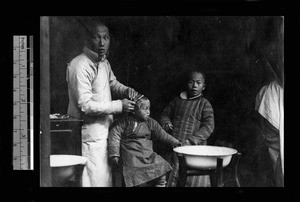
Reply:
x=89, y=85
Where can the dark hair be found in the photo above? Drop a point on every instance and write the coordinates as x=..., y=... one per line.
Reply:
x=195, y=70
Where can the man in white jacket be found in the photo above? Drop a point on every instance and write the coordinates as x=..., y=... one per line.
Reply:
x=90, y=84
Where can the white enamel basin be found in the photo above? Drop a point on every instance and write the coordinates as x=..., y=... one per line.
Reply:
x=61, y=160
x=64, y=167
x=205, y=156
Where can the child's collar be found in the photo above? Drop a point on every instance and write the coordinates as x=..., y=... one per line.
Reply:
x=136, y=118
x=184, y=96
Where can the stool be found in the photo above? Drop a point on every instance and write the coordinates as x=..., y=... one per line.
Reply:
x=216, y=175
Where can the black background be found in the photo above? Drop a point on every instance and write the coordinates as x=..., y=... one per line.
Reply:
x=232, y=82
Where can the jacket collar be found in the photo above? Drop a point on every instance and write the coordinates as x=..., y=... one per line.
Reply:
x=93, y=55
x=135, y=118
x=184, y=96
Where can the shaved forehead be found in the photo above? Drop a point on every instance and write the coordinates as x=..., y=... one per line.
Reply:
x=97, y=27
x=100, y=28
x=142, y=101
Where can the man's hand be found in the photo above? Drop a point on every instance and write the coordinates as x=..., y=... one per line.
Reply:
x=131, y=93
x=128, y=105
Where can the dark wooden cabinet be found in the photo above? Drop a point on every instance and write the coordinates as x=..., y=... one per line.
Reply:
x=65, y=136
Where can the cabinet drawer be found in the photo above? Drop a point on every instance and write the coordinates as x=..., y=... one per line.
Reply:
x=66, y=136
x=60, y=125
x=62, y=142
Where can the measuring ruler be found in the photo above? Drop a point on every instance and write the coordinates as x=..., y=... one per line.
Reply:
x=23, y=103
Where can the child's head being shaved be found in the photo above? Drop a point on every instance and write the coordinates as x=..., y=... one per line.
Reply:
x=142, y=100
x=142, y=108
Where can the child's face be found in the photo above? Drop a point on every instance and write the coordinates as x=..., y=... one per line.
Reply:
x=143, y=111
x=195, y=84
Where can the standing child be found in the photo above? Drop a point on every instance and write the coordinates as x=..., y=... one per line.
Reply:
x=130, y=145
x=190, y=117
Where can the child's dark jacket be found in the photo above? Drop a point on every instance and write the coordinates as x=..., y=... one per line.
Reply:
x=134, y=146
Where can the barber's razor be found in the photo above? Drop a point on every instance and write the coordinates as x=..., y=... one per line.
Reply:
x=139, y=96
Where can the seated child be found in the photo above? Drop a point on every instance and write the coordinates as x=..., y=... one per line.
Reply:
x=190, y=119
x=130, y=147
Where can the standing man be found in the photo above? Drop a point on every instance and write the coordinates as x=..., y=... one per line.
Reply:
x=90, y=84
x=269, y=107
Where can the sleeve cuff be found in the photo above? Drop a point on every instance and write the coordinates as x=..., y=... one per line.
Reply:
x=113, y=155
x=118, y=106
x=192, y=141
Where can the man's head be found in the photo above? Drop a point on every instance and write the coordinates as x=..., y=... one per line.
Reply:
x=98, y=38
x=196, y=83
x=142, y=108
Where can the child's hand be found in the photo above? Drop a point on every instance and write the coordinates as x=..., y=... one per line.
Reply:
x=177, y=144
x=168, y=127
x=187, y=142
x=115, y=162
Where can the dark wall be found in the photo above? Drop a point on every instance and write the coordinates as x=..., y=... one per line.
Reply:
x=151, y=54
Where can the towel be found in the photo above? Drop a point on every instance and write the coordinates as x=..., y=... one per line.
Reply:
x=270, y=104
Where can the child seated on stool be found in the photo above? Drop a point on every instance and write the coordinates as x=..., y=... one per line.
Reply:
x=130, y=148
